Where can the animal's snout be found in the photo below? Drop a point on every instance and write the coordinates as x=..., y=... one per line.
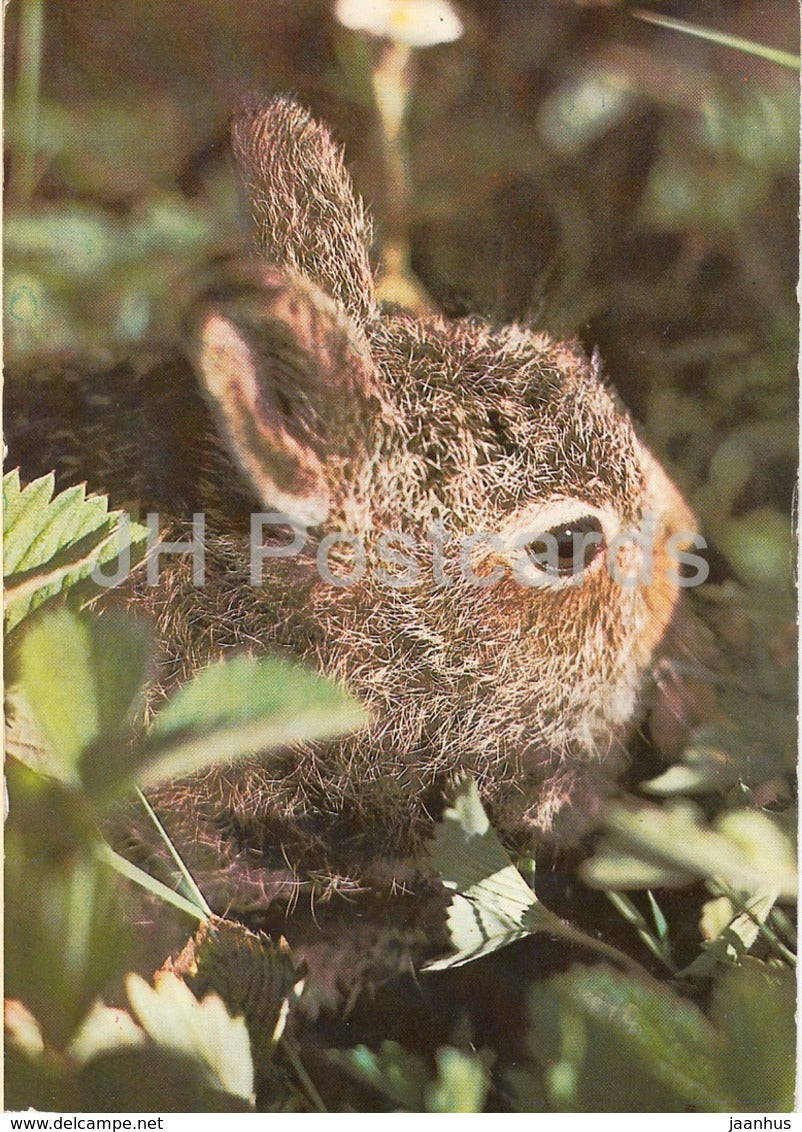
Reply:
x=677, y=561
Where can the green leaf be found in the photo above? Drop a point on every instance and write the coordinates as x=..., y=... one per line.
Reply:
x=53, y=543
x=653, y=847
x=150, y=884
x=82, y=241
x=657, y=944
x=65, y=940
x=239, y=707
x=21, y=1028
x=81, y=681
x=105, y=1028
x=760, y=548
x=616, y=1043
x=754, y=1006
x=492, y=905
x=659, y=919
x=727, y=935
x=404, y=1078
x=253, y=974
x=204, y=1031
x=684, y=778
x=393, y=1071
x=81, y=678
x=461, y=1084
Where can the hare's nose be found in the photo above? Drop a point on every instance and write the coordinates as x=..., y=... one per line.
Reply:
x=675, y=519
x=680, y=521
x=675, y=530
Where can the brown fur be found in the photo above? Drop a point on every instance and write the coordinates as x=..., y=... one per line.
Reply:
x=369, y=422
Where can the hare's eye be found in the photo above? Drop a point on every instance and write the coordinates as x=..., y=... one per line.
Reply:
x=569, y=547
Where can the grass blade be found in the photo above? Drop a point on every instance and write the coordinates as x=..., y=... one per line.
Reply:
x=747, y=46
x=194, y=893
x=155, y=887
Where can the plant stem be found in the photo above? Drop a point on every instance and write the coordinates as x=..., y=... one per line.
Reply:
x=747, y=46
x=575, y=935
x=392, y=85
x=29, y=73
x=293, y=1056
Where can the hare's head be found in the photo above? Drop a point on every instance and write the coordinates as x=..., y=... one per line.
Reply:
x=498, y=550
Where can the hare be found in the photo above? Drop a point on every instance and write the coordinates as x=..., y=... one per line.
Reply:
x=452, y=519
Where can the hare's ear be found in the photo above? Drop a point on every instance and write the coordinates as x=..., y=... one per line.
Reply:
x=305, y=212
x=291, y=381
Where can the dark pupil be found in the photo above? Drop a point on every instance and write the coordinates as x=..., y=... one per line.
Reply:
x=574, y=551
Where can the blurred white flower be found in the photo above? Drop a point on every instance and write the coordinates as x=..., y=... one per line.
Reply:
x=416, y=23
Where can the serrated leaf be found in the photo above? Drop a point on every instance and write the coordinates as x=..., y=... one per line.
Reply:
x=53, y=543
x=492, y=905
x=254, y=976
x=202, y=1030
x=105, y=1028
x=81, y=679
x=239, y=707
